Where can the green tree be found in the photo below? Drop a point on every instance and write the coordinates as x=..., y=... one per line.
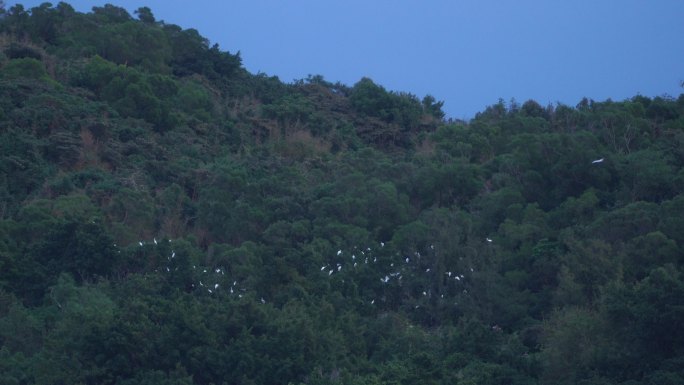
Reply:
x=145, y=15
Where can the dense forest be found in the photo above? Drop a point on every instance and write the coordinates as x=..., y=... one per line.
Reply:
x=167, y=217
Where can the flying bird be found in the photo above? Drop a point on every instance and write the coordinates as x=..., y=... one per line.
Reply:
x=597, y=161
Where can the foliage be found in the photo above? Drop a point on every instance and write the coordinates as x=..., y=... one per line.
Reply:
x=168, y=217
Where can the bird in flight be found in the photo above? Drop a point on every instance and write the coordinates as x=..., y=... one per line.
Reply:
x=597, y=161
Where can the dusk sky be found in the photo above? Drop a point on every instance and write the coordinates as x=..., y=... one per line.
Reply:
x=466, y=53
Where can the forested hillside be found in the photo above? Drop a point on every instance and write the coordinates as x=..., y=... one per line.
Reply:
x=167, y=217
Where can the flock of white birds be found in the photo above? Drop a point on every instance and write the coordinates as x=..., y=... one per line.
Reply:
x=356, y=265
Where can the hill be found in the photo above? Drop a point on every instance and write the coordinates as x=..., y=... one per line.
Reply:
x=168, y=217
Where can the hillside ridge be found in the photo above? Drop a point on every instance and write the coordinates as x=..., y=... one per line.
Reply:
x=168, y=217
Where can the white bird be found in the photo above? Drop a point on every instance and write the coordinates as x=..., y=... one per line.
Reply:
x=424, y=293
x=597, y=161
x=448, y=273
x=234, y=283
x=354, y=264
x=489, y=240
x=458, y=278
x=339, y=268
x=216, y=286
x=330, y=272
x=231, y=290
x=353, y=256
x=323, y=268
x=262, y=300
x=339, y=252
x=432, y=247
x=201, y=283
x=217, y=270
x=372, y=302
x=155, y=240
x=382, y=244
x=140, y=243
x=427, y=270
x=209, y=290
x=407, y=259
x=173, y=254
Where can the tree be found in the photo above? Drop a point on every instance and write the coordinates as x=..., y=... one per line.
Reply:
x=145, y=15
x=432, y=107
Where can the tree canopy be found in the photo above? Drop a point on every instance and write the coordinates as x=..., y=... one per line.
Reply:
x=167, y=217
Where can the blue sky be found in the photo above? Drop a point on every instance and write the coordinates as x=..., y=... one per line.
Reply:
x=467, y=53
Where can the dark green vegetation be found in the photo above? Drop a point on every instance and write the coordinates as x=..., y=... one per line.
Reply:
x=486, y=252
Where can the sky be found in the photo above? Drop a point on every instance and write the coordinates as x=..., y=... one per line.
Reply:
x=467, y=53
